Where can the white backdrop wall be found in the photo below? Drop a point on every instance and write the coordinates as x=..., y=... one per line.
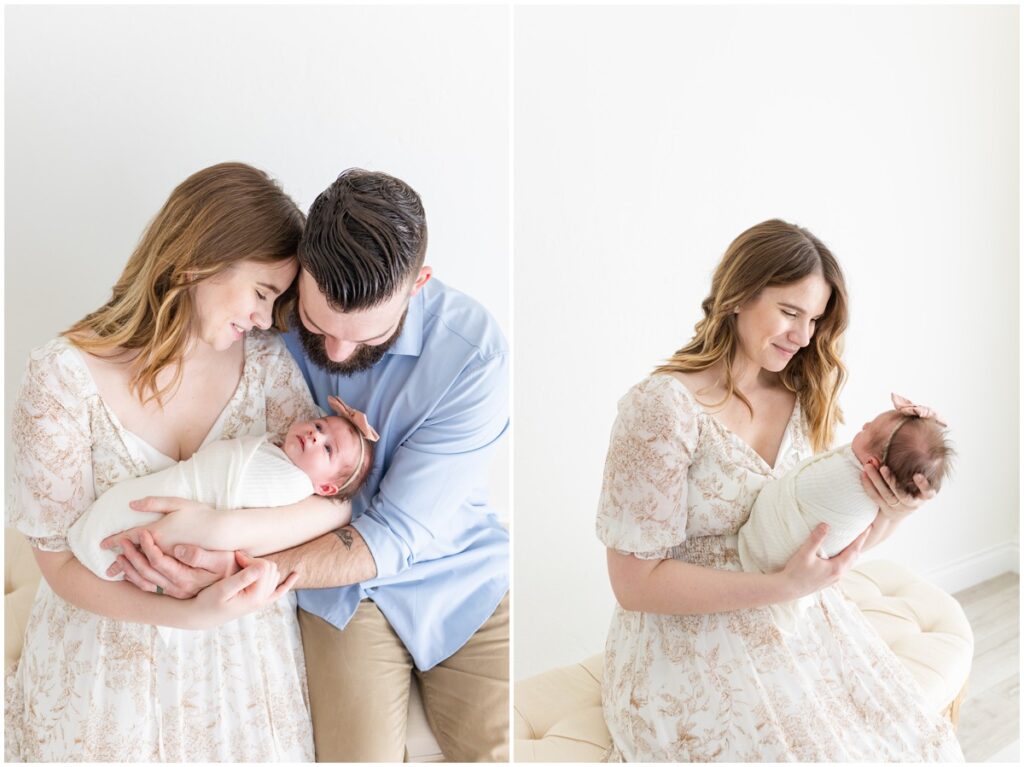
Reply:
x=647, y=138
x=109, y=108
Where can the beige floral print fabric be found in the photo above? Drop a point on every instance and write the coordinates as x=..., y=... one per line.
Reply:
x=730, y=686
x=88, y=688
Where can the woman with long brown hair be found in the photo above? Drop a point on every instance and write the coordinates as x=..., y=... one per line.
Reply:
x=695, y=667
x=175, y=359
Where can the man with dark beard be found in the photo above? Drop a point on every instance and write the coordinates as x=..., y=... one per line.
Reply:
x=418, y=581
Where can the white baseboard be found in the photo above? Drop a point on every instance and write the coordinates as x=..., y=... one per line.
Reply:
x=972, y=570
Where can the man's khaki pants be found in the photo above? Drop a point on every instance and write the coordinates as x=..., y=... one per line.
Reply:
x=359, y=690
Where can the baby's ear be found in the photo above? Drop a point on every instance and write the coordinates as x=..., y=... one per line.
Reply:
x=327, y=490
x=875, y=462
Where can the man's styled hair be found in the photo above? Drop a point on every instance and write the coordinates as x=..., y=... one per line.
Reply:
x=365, y=239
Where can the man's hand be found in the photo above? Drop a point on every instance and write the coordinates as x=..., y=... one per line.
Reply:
x=182, y=576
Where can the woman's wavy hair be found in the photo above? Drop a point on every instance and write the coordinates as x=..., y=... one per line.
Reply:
x=771, y=253
x=216, y=218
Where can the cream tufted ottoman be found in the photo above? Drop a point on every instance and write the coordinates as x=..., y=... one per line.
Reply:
x=558, y=714
x=21, y=579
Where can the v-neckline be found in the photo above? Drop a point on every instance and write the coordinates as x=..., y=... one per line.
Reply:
x=784, y=441
x=217, y=422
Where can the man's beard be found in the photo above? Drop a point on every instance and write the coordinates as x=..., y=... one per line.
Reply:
x=363, y=358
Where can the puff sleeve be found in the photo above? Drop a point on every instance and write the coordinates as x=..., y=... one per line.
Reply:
x=52, y=442
x=642, y=509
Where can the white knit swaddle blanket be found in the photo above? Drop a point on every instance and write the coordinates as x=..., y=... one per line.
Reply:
x=823, y=488
x=226, y=474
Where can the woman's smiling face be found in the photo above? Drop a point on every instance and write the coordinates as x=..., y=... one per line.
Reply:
x=239, y=299
x=778, y=322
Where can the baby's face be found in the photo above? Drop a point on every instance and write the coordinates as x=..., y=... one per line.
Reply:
x=323, y=448
x=874, y=433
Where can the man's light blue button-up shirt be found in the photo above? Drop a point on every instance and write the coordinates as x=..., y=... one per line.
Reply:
x=439, y=399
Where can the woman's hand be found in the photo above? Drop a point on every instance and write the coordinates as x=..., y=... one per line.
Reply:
x=893, y=504
x=806, y=572
x=180, y=523
x=251, y=588
x=182, y=576
x=145, y=557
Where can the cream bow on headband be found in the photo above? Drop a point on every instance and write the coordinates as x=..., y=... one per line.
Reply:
x=905, y=407
x=358, y=420
x=355, y=417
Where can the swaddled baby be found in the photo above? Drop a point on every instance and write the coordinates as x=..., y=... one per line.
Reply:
x=827, y=488
x=328, y=456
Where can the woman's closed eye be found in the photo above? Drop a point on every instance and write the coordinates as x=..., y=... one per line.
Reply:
x=261, y=296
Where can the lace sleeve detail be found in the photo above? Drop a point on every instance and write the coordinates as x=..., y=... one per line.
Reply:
x=53, y=475
x=642, y=509
x=287, y=396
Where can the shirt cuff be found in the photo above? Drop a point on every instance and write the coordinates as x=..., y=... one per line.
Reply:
x=390, y=554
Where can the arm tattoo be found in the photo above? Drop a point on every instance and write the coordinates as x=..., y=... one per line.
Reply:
x=346, y=537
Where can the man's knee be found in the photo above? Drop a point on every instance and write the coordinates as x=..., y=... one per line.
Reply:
x=466, y=695
x=358, y=683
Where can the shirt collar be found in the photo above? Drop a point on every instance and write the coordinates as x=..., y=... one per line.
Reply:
x=410, y=342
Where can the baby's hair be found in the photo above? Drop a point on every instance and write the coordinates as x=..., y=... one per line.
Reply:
x=355, y=483
x=918, y=446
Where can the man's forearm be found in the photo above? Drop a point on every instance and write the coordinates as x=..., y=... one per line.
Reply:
x=336, y=559
x=261, y=531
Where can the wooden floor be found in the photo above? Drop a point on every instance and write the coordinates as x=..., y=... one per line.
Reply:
x=989, y=729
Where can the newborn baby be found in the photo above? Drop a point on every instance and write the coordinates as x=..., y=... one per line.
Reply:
x=328, y=456
x=827, y=488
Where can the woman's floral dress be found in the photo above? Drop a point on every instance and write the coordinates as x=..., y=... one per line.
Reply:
x=730, y=686
x=88, y=688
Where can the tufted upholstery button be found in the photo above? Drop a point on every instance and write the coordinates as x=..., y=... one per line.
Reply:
x=558, y=714
x=924, y=626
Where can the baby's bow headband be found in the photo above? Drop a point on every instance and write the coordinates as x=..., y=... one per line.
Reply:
x=358, y=420
x=355, y=417
x=905, y=407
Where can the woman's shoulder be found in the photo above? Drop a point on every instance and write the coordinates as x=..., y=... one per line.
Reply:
x=56, y=349
x=661, y=391
x=264, y=345
x=58, y=364
x=661, y=402
x=56, y=381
